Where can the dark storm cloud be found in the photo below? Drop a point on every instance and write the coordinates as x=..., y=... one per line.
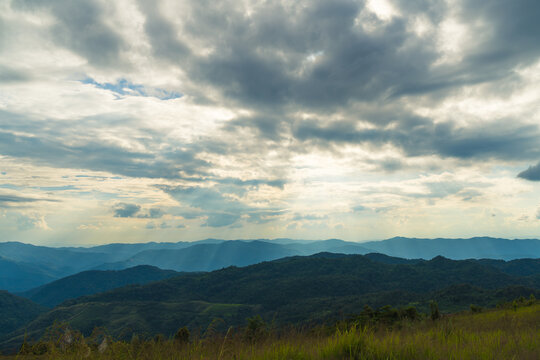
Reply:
x=263, y=59
x=163, y=36
x=497, y=139
x=512, y=36
x=280, y=59
x=532, y=173
x=82, y=27
x=99, y=156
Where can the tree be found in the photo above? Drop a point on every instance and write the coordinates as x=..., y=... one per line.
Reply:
x=182, y=336
x=256, y=329
x=434, y=307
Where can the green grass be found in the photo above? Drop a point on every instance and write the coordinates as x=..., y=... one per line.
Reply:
x=495, y=334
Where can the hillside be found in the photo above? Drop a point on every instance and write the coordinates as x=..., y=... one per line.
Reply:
x=16, y=311
x=16, y=276
x=92, y=282
x=290, y=290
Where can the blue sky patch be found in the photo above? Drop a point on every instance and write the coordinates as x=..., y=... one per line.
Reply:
x=123, y=87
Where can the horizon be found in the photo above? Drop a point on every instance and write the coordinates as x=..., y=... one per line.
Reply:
x=354, y=120
x=276, y=240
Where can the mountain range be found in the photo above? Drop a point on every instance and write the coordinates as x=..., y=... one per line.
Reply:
x=292, y=290
x=24, y=266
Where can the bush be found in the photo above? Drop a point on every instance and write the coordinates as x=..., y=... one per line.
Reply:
x=182, y=336
x=434, y=309
x=256, y=329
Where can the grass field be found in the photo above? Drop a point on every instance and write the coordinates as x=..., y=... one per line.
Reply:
x=511, y=333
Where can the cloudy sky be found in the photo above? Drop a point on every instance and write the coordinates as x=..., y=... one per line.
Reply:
x=129, y=121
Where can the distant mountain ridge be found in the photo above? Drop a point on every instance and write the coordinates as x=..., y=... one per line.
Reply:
x=458, y=249
x=92, y=282
x=24, y=266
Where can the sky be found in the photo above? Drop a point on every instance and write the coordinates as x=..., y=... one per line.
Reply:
x=137, y=121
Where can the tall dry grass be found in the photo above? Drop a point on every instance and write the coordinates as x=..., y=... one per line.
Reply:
x=495, y=334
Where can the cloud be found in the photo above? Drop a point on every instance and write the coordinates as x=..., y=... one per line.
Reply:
x=124, y=210
x=281, y=109
x=82, y=27
x=93, y=154
x=7, y=200
x=309, y=217
x=221, y=219
x=498, y=139
x=532, y=173
x=359, y=208
x=35, y=221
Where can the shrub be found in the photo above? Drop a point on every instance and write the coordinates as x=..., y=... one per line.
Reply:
x=256, y=329
x=182, y=336
x=434, y=309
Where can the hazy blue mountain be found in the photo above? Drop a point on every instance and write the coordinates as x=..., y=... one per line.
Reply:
x=17, y=276
x=60, y=262
x=207, y=257
x=16, y=312
x=30, y=266
x=330, y=245
x=92, y=282
x=458, y=249
x=120, y=252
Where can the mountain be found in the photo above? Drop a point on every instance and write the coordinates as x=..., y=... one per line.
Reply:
x=17, y=276
x=330, y=245
x=519, y=267
x=25, y=266
x=92, y=282
x=32, y=266
x=16, y=311
x=385, y=259
x=296, y=289
x=458, y=249
x=59, y=262
x=119, y=251
x=207, y=257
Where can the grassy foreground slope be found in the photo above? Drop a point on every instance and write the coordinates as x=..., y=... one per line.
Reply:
x=510, y=333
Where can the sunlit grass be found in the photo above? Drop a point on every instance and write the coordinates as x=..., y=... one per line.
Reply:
x=496, y=334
